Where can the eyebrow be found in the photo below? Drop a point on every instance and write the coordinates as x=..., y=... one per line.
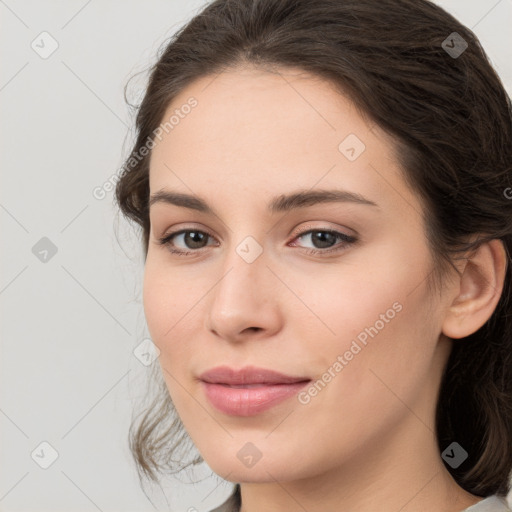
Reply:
x=281, y=203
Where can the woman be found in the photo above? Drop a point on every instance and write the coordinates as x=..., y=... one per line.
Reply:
x=324, y=190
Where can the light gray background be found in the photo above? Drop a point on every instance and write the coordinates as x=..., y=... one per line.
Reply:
x=69, y=325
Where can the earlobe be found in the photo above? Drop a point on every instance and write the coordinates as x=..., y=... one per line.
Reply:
x=480, y=288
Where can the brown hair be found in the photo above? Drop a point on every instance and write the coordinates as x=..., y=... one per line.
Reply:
x=451, y=119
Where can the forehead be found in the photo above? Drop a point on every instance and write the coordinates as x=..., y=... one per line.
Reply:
x=253, y=133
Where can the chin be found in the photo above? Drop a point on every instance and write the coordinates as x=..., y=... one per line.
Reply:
x=246, y=463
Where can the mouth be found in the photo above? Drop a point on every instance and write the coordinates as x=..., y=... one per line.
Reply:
x=248, y=376
x=248, y=391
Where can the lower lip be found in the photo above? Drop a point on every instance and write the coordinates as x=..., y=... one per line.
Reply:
x=249, y=401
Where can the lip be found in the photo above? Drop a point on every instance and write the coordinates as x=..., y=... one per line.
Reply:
x=250, y=390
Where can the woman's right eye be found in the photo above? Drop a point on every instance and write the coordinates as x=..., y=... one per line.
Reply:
x=191, y=238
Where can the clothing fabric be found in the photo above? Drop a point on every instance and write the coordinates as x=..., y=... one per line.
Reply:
x=490, y=504
x=232, y=504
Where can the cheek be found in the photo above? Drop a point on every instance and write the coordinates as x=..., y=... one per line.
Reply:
x=351, y=303
x=386, y=340
x=163, y=308
x=172, y=308
x=157, y=302
x=378, y=320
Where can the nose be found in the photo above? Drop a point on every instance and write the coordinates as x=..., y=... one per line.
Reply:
x=244, y=303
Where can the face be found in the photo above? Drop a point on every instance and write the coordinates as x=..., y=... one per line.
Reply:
x=330, y=291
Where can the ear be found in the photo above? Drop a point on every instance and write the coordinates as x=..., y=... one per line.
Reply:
x=479, y=290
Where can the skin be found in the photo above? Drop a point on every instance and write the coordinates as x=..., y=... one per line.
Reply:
x=367, y=441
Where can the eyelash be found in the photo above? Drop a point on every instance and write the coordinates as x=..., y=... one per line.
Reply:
x=346, y=239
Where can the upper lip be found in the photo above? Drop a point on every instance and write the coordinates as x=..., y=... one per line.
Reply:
x=247, y=375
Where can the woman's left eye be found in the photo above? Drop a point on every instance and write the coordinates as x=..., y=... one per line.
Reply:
x=324, y=238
